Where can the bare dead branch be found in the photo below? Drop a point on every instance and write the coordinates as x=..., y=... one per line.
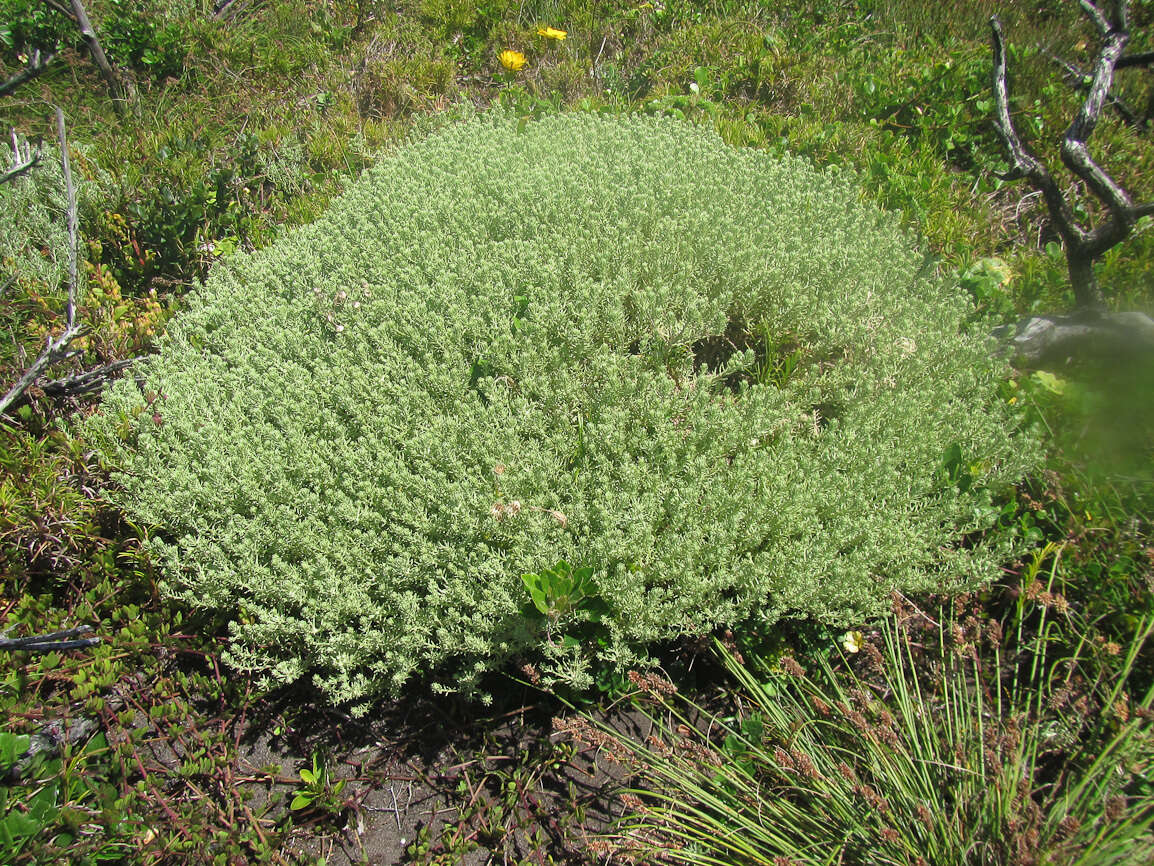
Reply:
x=92, y=42
x=1083, y=80
x=86, y=382
x=56, y=350
x=22, y=169
x=49, y=356
x=58, y=640
x=1075, y=154
x=37, y=63
x=1146, y=58
x=19, y=169
x=1082, y=245
x=59, y=7
x=1097, y=16
x=23, y=160
x=1023, y=163
x=1122, y=14
x=73, y=222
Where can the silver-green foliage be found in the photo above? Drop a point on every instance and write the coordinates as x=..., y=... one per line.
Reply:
x=510, y=345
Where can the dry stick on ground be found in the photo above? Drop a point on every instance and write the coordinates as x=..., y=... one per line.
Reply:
x=69, y=638
x=80, y=383
x=56, y=349
x=1083, y=246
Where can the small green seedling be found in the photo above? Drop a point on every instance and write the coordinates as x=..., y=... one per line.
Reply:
x=957, y=470
x=316, y=791
x=561, y=589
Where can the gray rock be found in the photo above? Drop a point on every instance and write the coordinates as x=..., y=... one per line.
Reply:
x=1047, y=340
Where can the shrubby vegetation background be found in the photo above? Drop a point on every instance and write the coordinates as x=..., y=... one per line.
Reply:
x=244, y=119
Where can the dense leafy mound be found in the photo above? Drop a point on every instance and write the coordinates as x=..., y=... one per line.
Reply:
x=714, y=382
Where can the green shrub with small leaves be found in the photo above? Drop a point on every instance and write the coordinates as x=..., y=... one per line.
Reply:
x=714, y=381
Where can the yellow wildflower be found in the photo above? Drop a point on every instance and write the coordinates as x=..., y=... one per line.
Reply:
x=852, y=641
x=551, y=33
x=513, y=60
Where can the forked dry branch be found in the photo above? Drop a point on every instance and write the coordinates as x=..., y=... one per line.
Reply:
x=55, y=349
x=1083, y=245
x=37, y=63
x=1090, y=328
x=24, y=159
x=69, y=638
x=1082, y=80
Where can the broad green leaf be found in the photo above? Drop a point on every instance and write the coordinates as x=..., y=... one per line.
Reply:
x=1053, y=384
x=17, y=825
x=533, y=583
x=12, y=746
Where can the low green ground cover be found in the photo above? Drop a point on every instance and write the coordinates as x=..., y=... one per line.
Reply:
x=244, y=124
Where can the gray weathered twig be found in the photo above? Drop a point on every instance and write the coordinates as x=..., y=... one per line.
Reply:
x=69, y=638
x=23, y=160
x=1083, y=245
x=92, y=42
x=1082, y=81
x=56, y=350
x=86, y=382
x=73, y=224
x=37, y=63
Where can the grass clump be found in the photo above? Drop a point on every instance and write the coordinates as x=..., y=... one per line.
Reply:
x=948, y=737
x=705, y=375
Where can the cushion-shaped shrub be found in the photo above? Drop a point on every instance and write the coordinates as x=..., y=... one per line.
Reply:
x=714, y=382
